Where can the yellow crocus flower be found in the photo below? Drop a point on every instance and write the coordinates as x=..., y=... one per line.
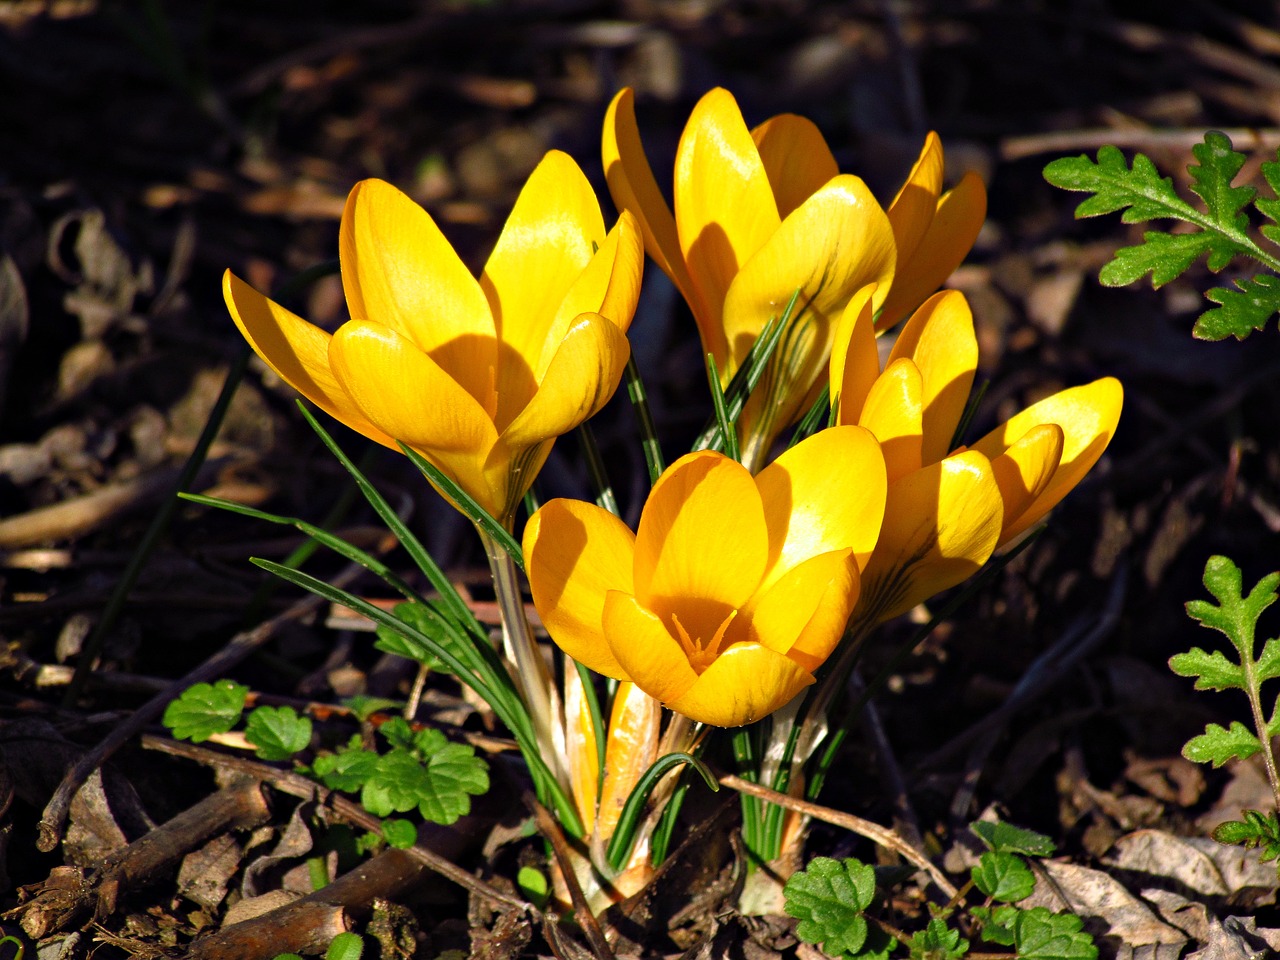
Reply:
x=733, y=590
x=762, y=213
x=948, y=509
x=480, y=377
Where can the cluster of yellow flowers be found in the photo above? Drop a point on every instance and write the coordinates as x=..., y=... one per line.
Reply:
x=742, y=576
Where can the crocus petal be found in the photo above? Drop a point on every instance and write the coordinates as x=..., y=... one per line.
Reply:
x=913, y=208
x=939, y=337
x=609, y=286
x=633, y=187
x=1088, y=416
x=545, y=245
x=644, y=648
x=297, y=351
x=405, y=393
x=826, y=493
x=702, y=536
x=855, y=361
x=745, y=683
x=808, y=606
x=795, y=157
x=941, y=524
x=1025, y=470
x=399, y=270
x=835, y=243
x=580, y=379
x=632, y=746
x=575, y=553
x=581, y=753
x=948, y=240
x=723, y=204
x=893, y=411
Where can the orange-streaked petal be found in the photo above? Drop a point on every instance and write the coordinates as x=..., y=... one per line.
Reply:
x=631, y=747
x=702, y=536
x=947, y=242
x=633, y=187
x=547, y=242
x=913, y=208
x=809, y=603
x=939, y=337
x=795, y=157
x=297, y=351
x=398, y=270
x=941, y=524
x=835, y=243
x=1088, y=416
x=745, y=683
x=580, y=750
x=580, y=379
x=855, y=361
x=826, y=493
x=575, y=553
x=647, y=652
x=1025, y=470
x=609, y=286
x=724, y=204
x=893, y=411
x=406, y=393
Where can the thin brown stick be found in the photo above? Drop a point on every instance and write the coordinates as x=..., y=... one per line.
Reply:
x=1092, y=138
x=864, y=828
x=549, y=829
x=54, y=818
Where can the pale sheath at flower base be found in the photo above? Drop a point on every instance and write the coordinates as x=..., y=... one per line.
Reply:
x=949, y=509
x=760, y=214
x=480, y=376
x=734, y=588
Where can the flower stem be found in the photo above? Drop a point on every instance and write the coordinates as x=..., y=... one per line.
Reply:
x=531, y=677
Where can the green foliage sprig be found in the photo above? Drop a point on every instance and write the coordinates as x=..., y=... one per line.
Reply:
x=1221, y=230
x=1236, y=617
x=420, y=769
x=832, y=898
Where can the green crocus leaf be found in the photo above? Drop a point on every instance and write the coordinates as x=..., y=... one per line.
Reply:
x=277, y=733
x=205, y=709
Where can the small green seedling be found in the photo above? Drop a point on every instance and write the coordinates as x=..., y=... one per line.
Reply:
x=1222, y=230
x=832, y=898
x=1236, y=617
x=419, y=769
x=345, y=946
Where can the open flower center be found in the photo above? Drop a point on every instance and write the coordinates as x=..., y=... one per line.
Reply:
x=700, y=649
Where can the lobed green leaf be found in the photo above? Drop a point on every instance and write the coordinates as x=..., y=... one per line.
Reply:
x=1217, y=745
x=829, y=898
x=277, y=732
x=401, y=834
x=1041, y=935
x=1213, y=671
x=1006, y=838
x=1241, y=311
x=1165, y=256
x=1004, y=877
x=1237, y=616
x=937, y=942
x=348, y=769
x=997, y=923
x=1140, y=192
x=1212, y=177
x=205, y=709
